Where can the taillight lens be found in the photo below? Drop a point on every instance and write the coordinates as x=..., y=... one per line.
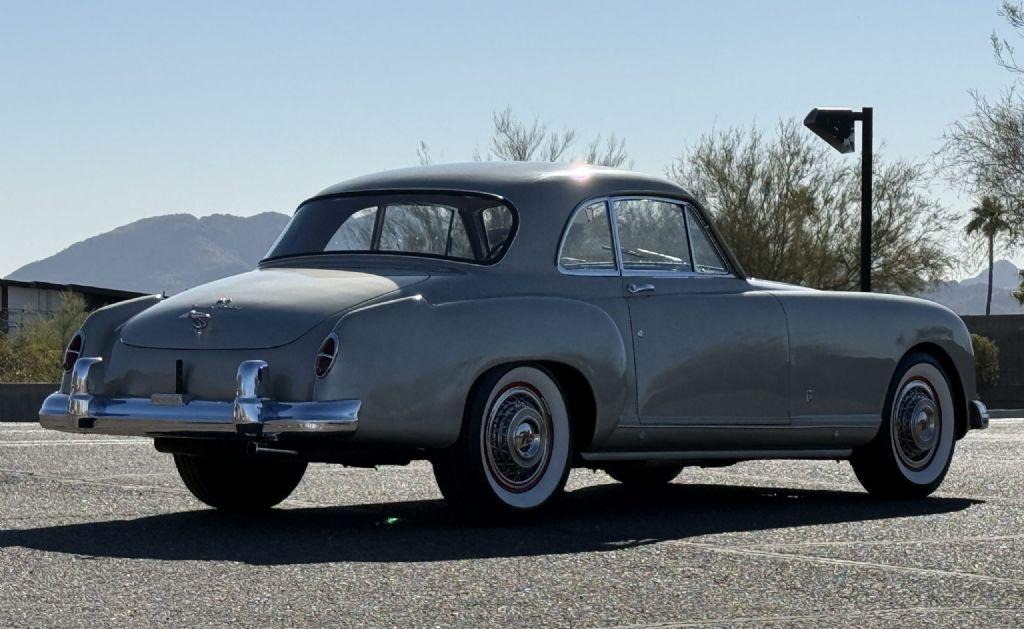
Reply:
x=73, y=351
x=325, y=357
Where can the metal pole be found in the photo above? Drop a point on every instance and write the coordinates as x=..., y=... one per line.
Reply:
x=865, y=200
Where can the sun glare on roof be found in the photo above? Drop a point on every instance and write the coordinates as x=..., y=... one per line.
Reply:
x=579, y=172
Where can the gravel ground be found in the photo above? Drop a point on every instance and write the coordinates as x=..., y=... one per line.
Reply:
x=99, y=531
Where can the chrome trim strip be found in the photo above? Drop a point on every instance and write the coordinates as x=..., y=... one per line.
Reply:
x=248, y=414
x=689, y=455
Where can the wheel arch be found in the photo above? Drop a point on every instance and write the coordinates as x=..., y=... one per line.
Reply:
x=577, y=393
x=957, y=387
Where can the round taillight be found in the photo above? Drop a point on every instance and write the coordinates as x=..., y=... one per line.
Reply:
x=325, y=357
x=73, y=351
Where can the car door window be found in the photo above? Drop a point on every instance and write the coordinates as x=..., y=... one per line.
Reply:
x=706, y=257
x=588, y=242
x=652, y=236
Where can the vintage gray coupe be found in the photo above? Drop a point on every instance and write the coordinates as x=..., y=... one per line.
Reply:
x=507, y=322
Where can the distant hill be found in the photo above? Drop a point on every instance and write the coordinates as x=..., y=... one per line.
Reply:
x=172, y=252
x=967, y=297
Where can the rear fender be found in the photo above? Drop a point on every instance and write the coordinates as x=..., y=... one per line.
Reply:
x=413, y=363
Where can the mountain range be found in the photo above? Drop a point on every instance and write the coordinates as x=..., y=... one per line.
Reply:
x=967, y=297
x=177, y=251
x=164, y=253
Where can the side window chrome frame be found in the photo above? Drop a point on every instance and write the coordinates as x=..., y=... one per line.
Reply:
x=619, y=271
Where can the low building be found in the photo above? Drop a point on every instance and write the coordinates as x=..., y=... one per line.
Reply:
x=21, y=302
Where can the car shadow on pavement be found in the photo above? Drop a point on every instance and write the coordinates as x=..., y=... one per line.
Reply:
x=593, y=519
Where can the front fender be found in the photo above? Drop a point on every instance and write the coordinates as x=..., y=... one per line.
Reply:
x=413, y=363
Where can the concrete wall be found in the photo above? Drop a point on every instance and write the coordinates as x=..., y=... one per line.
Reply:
x=1007, y=331
x=27, y=304
x=21, y=402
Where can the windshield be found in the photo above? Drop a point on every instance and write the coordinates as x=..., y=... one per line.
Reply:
x=455, y=226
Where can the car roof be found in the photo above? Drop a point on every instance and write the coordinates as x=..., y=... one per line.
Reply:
x=543, y=194
x=514, y=181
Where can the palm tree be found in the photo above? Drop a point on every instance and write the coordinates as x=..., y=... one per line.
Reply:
x=989, y=219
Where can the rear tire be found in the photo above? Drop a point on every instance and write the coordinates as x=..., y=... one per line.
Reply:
x=238, y=484
x=911, y=453
x=643, y=473
x=513, y=454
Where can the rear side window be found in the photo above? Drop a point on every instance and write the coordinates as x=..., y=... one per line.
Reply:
x=422, y=228
x=449, y=225
x=498, y=226
x=356, y=233
x=588, y=242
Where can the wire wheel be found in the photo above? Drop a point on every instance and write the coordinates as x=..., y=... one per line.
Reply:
x=911, y=453
x=515, y=450
x=516, y=438
x=916, y=423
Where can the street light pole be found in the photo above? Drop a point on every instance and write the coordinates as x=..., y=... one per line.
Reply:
x=835, y=126
x=865, y=198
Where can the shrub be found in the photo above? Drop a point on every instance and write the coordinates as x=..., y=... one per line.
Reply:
x=986, y=360
x=33, y=353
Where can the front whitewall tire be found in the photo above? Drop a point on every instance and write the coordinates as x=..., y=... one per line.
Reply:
x=912, y=451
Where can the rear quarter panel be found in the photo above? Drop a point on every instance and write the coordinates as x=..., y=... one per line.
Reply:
x=412, y=363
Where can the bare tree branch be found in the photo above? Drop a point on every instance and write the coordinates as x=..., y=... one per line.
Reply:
x=611, y=153
x=423, y=154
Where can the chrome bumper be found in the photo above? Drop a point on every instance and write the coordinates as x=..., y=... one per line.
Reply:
x=979, y=415
x=173, y=415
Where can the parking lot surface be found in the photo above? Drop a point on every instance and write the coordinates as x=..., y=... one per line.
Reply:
x=99, y=531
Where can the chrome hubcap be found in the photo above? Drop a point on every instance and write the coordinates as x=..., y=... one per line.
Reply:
x=916, y=424
x=517, y=438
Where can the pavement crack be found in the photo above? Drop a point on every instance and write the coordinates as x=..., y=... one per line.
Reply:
x=847, y=562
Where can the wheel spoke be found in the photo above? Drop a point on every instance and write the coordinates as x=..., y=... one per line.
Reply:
x=916, y=424
x=517, y=437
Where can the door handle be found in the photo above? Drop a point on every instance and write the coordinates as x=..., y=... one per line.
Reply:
x=640, y=288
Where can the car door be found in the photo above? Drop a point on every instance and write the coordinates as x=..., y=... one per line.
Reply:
x=709, y=349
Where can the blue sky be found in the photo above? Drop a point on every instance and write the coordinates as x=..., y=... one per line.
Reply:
x=110, y=112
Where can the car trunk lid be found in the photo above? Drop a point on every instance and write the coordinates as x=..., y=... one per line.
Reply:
x=259, y=309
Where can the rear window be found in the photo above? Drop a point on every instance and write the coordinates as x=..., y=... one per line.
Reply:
x=457, y=227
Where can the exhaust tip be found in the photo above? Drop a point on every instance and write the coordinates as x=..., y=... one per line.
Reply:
x=259, y=450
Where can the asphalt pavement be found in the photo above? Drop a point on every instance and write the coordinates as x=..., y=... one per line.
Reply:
x=98, y=531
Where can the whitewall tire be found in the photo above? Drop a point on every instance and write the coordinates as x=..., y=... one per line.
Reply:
x=911, y=453
x=514, y=452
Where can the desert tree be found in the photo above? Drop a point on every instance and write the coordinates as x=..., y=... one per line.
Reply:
x=791, y=210
x=610, y=152
x=1013, y=13
x=989, y=221
x=514, y=139
x=983, y=152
